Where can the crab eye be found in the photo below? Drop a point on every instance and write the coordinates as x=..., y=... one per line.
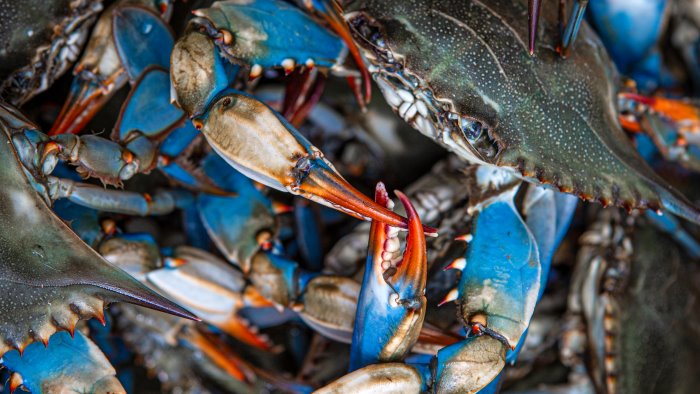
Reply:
x=470, y=128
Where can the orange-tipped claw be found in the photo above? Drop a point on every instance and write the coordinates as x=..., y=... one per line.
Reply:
x=220, y=354
x=324, y=183
x=86, y=98
x=278, y=156
x=411, y=274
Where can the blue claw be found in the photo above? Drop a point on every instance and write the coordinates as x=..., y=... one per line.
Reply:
x=142, y=39
x=239, y=222
x=67, y=365
x=500, y=278
x=269, y=33
x=148, y=109
x=391, y=306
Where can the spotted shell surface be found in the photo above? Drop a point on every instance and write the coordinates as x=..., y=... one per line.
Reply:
x=552, y=120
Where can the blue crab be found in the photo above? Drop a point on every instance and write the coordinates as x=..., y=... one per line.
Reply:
x=51, y=277
x=549, y=121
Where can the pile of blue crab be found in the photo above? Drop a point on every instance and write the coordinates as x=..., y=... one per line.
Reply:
x=211, y=201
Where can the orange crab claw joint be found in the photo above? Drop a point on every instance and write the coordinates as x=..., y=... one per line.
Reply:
x=262, y=145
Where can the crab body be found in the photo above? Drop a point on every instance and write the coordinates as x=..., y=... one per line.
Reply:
x=460, y=73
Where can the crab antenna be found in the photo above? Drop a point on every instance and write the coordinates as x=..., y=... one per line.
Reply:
x=533, y=13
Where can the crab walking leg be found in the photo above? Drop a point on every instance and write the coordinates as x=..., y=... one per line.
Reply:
x=331, y=12
x=258, y=142
x=50, y=278
x=392, y=303
x=117, y=201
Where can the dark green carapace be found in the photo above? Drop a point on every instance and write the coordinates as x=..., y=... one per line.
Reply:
x=552, y=120
x=49, y=278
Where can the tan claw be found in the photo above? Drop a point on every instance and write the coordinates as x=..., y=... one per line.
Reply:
x=261, y=144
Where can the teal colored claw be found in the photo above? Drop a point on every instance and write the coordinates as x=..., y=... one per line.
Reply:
x=67, y=364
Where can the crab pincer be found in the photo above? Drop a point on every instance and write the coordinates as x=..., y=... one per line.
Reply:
x=261, y=144
x=392, y=303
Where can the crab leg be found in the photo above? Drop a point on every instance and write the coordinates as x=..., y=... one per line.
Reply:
x=331, y=12
x=51, y=278
x=240, y=221
x=392, y=303
x=130, y=203
x=261, y=144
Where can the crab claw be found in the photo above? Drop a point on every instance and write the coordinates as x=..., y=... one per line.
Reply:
x=88, y=94
x=386, y=331
x=262, y=145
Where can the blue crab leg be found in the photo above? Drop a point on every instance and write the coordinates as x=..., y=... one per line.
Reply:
x=118, y=201
x=49, y=276
x=256, y=35
x=147, y=109
x=67, y=365
x=572, y=26
x=392, y=303
x=240, y=221
x=262, y=145
x=267, y=33
x=100, y=72
x=142, y=39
